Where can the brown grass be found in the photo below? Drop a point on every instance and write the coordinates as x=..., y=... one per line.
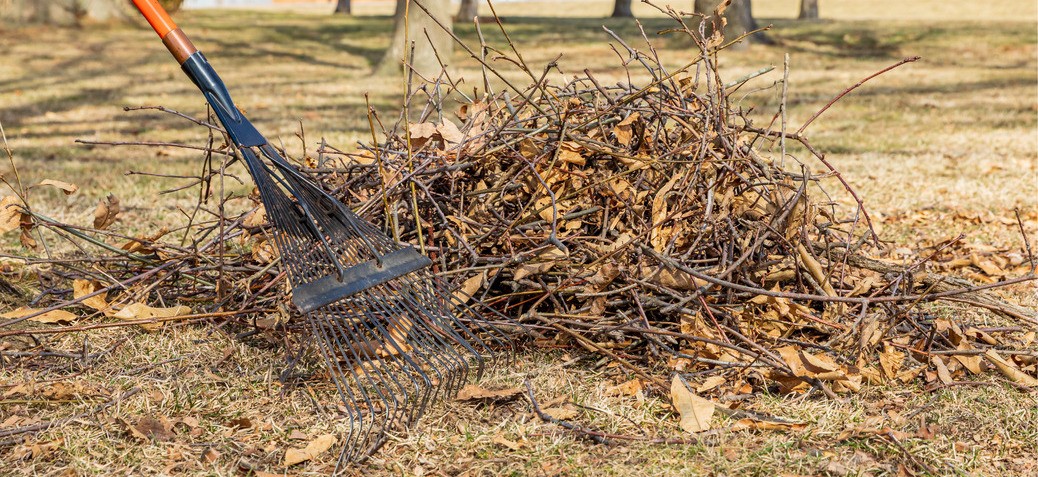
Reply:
x=942, y=146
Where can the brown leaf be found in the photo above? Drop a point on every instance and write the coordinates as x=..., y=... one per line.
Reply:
x=53, y=316
x=710, y=383
x=562, y=413
x=10, y=213
x=82, y=288
x=140, y=311
x=942, y=370
x=469, y=288
x=313, y=449
x=107, y=211
x=695, y=411
x=65, y=187
x=501, y=440
x=1009, y=370
x=472, y=392
x=210, y=455
x=628, y=388
x=450, y=132
x=149, y=428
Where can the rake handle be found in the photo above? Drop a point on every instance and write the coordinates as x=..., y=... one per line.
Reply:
x=172, y=36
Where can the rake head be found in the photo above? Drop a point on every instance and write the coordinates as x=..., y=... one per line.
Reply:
x=392, y=334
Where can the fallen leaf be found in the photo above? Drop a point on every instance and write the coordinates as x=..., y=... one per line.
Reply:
x=210, y=455
x=1009, y=370
x=240, y=423
x=140, y=311
x=10, y=213
x=469, y=288
x=65, y=187
x=296, y=434
x=53, y=316
x=562, y=413
x=312, y=449
x=942, y=370
x=107, y=211
x=710, y=383
x=695, y=411
x=82, y=288
x=472, y=392
x=627, y=388
x=149, y=428
x=500, y=439
x=450, y=132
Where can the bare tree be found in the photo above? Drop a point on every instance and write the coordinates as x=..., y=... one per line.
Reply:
x=418, y=27
x=808, y=10
x=739, y=16
x=344, y=7
x=622, y=9
x=467, y=10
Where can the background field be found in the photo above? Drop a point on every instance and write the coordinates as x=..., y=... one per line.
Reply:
x=943, y=146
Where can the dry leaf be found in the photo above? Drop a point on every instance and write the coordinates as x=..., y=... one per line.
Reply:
x=450, y=132
x=10, y=213
x=469, y=288
x=139, y=311
x=500, y=439
x=695, y=411
x=628, y=388
x=53, y=316
x=82, y=288
x=65, y=187
x=562, y=413
x=1009, y=370
x=710, y=383
x=152, y=429
x=106, y=213
x=313, y=449
x=942, y=370
x=472, y=392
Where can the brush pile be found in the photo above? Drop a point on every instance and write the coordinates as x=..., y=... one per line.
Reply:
x=652, y=225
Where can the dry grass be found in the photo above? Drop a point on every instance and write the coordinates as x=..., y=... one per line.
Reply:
x=939, y=147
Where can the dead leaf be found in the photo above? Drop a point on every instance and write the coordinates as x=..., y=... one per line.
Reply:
x=563, y=413
x=695, y=411
x=149, y=429
x=450, y=132
x=210, y=455
x=313, y=449
x=107, y=211
x=53, y=316
x=10, y=213
x=500, y=439
x=710, y=383
x=469, y=288
x=140, y=311
x=65, y=187
x=942, y=370
x=1009, y=370
x=472, y=392
x=627, y=388
x=81, y=288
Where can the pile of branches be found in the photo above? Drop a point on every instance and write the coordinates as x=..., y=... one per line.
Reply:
x=654, y=225
x=657, y=226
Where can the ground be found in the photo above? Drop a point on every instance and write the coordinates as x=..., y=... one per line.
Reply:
x=939, y=147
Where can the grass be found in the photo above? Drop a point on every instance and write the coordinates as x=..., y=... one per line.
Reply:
x=935, y=148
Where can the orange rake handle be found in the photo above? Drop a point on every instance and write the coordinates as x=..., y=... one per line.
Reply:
x=156, y=16
x=176, y=41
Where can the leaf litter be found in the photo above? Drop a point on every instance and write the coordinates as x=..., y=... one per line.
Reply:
x=649, y=225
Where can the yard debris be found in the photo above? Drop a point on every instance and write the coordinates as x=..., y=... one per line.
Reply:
x=652, y=225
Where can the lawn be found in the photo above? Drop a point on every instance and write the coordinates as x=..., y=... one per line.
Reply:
x=939, y=147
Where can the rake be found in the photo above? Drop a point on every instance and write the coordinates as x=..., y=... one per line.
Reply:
x=391, y=333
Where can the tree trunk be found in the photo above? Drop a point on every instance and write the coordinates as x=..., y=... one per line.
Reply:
x=421, y=24
x=344, y=7
x=622, y=9
x=808, y=10
x=740, y=20
x=467, y=11
x=62, y=12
